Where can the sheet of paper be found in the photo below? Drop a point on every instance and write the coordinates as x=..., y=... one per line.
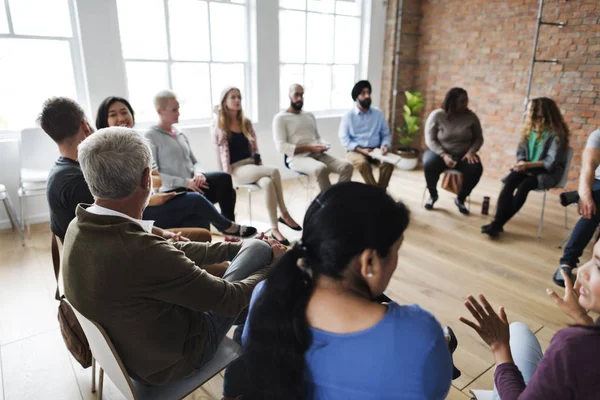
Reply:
x=388, y=158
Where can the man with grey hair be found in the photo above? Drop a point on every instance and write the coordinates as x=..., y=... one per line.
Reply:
x=164, y=312
x=180, y=170
x=297, y=138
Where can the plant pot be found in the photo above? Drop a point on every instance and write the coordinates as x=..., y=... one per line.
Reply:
x=409, y=159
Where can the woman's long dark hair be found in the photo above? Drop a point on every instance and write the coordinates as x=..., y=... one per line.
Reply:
x=102, y=115
x=450, y=104
x=340, y=224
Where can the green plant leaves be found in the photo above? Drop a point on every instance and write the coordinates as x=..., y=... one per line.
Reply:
x=414, y=104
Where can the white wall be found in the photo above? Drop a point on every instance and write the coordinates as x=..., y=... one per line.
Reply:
x=105, y=76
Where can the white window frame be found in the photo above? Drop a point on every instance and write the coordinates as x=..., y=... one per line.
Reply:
x=362, y=59
x=74, y=45
x=247, y=94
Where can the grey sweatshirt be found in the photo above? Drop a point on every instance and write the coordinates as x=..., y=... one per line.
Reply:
x=173, y=157
x=455, y=137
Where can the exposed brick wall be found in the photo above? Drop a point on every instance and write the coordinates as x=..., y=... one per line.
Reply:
x=485, y=47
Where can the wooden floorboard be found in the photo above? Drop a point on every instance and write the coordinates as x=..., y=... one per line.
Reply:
x=443, y=259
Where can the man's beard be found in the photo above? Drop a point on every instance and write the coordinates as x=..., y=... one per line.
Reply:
x=297, y=105
x=366, y=103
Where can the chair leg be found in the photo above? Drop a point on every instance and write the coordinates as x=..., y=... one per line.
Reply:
x=250, y=205
x=541, y=225
x=566, y=223
x=423, y=197
x=100, y=384
x=93, y=375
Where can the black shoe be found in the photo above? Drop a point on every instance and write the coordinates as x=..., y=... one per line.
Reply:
x=461, y=207
x=488, y=227
x=452, y=345
x=295, y=228
x=431, y=201
x=491, y=231
x=558, y=278
x=242, y=231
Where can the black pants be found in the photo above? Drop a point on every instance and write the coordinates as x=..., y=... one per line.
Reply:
x=434, y=166
x=509, y=201
x=220, y=190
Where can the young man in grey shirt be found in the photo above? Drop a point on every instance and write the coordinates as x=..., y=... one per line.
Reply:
x=589, y=204
x=296, y=136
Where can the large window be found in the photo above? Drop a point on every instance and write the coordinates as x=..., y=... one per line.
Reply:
x=319, y=47
x=194, y=47
x=39, y=58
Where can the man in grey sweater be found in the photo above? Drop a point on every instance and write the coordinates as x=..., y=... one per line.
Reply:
x=178, y=167
x=165, y=314
x=296, y=136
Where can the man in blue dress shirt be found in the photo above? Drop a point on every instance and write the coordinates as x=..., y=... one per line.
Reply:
x=363, y=129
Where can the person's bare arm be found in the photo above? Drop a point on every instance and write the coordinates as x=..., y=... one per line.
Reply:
x=591, y=161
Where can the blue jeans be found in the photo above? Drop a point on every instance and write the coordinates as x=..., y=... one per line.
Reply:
x=189, y=210
x=582, y=233
x=254, y=255
x=526, y=351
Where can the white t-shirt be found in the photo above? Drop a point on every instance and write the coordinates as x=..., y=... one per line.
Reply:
x=594, y=143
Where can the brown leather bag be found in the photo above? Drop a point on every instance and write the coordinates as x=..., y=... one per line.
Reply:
x=70, y=328
x=452, y=183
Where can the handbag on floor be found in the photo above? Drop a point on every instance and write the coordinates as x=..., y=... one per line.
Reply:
x=452, y=183
x=70, y=328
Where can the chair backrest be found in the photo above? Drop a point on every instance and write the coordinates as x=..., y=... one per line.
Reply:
x=37, y=150
x=563, y=180
x=104, y=352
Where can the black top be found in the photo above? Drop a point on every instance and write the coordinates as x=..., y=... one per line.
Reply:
x=66, y=188
x=239, y=147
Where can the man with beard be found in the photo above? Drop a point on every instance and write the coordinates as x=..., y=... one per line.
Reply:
x=363, y=129
x=296, y=136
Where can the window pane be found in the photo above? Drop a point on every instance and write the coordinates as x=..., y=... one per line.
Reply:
x=326, y=6
x=319, y=38
x=192, y=84
x=344, y=77
x=293, y=4
x=288, y=75
x=143, y=29
x=144, y=81
x=317, y=90
x=228, y=32
x=223, y=75
x=292, y=36
x=188, y=24
x=41, y=17
x=347, y=40
x=31, y=82
x=3, y=19
x=348, y=7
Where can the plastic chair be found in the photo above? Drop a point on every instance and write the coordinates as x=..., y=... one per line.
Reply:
x=250, y=187
x=451, y=172
x=105, y=354
x=482, y=394
x=10, y=211
x=37, y=153
x=299, y=175
x=560, y=185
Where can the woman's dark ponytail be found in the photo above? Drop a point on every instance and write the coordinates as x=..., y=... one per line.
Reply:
x=278, y=331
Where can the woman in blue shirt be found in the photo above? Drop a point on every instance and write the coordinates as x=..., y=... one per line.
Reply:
x=541, y=160
x=316, y=330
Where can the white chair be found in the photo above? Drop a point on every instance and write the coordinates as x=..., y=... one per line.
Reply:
x=250, y=187
x=450, y=172
x=10, y=211
x=482, y=394
x=105, y=354
x=303, y=179
x=37, y=153
x=561, y=185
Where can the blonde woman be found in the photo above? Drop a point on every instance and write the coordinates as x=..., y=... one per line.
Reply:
x=238, y=154
x=541, y=160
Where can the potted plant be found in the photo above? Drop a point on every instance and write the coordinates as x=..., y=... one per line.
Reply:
x=410, y=129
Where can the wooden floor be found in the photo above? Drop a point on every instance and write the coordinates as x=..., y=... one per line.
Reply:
x=444, y=258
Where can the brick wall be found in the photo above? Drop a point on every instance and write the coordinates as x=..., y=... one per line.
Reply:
x=485, y=47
